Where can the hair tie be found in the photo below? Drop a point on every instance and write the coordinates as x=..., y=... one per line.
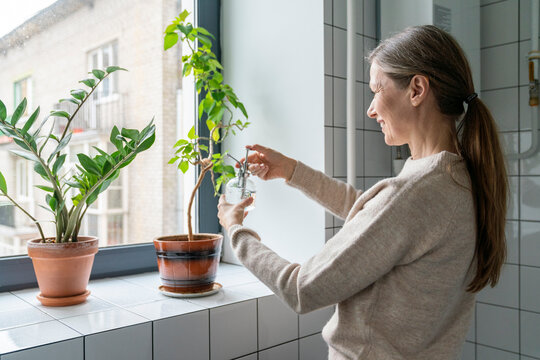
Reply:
x=470, y=98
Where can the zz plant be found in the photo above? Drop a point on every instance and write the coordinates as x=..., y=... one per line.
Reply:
x=92, y=176
x=214, y=108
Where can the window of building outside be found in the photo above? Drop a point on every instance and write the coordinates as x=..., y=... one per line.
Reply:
x=147, y=200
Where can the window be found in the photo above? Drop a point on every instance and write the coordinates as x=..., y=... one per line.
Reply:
x=23, y=89
x=100, y=58
x=147, y=200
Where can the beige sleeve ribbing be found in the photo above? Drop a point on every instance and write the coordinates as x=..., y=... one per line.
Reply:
x=336, y=196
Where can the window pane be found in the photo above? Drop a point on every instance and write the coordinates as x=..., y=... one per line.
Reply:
x=33, y=66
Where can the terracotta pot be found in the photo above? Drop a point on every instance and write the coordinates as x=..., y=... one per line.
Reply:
x=188, y=266
x=63, y=270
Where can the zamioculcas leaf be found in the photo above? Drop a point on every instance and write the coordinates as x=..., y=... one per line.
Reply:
x=60, y=113
x=3, y=185
x=74, y=101
x=89, y=82
x=25, y=154
x=18, y=112
x=78, y=94
x=114, y=140
x=89, y=164
x=45, y=188
x=111, y=69
x=100, y=74
x=130, y=134
x=3, y=112
x=184, y=165
x=58, y=163
x=60, y=146
x=146, y=143
x=30, y=121
x=41, y=171
x=170, y=40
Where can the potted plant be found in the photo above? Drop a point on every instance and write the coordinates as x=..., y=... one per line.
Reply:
x=63, y=262
x=188, y=263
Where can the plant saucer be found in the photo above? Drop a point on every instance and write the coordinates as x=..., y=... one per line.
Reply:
x=214, y=290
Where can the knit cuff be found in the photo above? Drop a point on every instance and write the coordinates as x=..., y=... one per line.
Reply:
x=301, y=175
x=236, y=230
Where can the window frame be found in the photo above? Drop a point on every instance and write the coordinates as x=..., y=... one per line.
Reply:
x=136, y=258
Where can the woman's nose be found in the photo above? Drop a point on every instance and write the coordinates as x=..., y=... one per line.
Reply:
x=371, y=111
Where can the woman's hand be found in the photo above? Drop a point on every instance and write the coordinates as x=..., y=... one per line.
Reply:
x=230, y=214
x=269, y=164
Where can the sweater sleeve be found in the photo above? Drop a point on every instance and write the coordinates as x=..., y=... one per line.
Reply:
x=336, y=196
x=365, y=249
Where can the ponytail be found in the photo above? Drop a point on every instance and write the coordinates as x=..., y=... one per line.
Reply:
x=481, y=149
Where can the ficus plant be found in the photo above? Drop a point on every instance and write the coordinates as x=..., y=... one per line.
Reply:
x=214, y=108
x=91, y=176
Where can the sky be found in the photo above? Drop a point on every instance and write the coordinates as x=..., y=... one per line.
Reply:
x=14, y=12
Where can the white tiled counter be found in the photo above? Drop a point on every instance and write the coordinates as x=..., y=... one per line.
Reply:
x=128, y=318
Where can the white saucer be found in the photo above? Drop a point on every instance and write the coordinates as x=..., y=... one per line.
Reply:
x=215, y=289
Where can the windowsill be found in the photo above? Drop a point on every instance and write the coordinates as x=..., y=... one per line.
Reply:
x=114, y=303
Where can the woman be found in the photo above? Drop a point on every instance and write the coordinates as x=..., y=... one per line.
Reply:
x=414, y=249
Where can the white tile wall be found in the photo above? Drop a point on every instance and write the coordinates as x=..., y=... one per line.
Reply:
x=530, y=328
x=329, y=151
x=164, y=308
x=328, y=11
x=340, y=13
x=328, y=103
x=499, y=23
x=471, y=334
x=288, y=351
x=530, y=197
x=182, y=337
x=313, y=348
x=378, y=157
x=340, y=102
x=277, y=323
x=313, y=322
x=498, y=327
x=359, y=153
x=249, y=357
x=530, y=290
x=485, y=352
x=70, y=349
x=370, y=19
x=22, y=316
x=340, y=53
x=360, y=110
x=340, y=152
x=102, y=321
x=506, y=293
x=499, y=66
x=510, y=144
x=130, y=343
x=468, y=351
x=513, y=203
x=226, y=344
x=530, y=165
x=512, y=242
x=530, y=243
x=524, y=108
x=524, y=48
x=503, y=105
x=328, y=54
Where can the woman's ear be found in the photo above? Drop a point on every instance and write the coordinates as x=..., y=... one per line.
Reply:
x=419, y=87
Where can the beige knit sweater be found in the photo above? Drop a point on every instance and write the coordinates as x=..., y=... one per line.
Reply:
x=397, y=270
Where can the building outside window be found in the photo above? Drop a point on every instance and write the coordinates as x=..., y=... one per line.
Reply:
x=23, y=89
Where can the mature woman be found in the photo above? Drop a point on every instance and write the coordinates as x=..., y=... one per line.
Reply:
x=414, y=249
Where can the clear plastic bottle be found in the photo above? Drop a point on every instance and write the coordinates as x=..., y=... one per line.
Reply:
x=239, y=188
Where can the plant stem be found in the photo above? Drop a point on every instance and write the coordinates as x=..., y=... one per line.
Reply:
x=27, y=214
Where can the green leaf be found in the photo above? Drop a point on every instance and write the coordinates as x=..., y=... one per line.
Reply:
x=25, y=154
x=74, y=184
x=218, y=95
x=186, y=70
x=38, y=168
x=113, y=138
x=3, y=185
x=215, y=135
x=111, y=69
x=3, y=111
x=60, y=146
x=89, y=82
x=146, y=144
x=184, y=166
x=180, y=142
x=204, y=32
x=243, y=109
x=218, y=114
x=60, y=113
x=203, y=147
x=30, y=121
x=131, y=134
x=105, y=155
x=171, y=28
x=18, y=112
x=58, y=163
x=45, y=188
x=74, y=101
x=215, y=63
x=89, y=165
x=173, y=160
x=186, y=30
x=204, y=40
x=78, y=94
x=191, y=133
x=182, y=17
x=171, y=38
x=52, y=202
x=100, y=74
